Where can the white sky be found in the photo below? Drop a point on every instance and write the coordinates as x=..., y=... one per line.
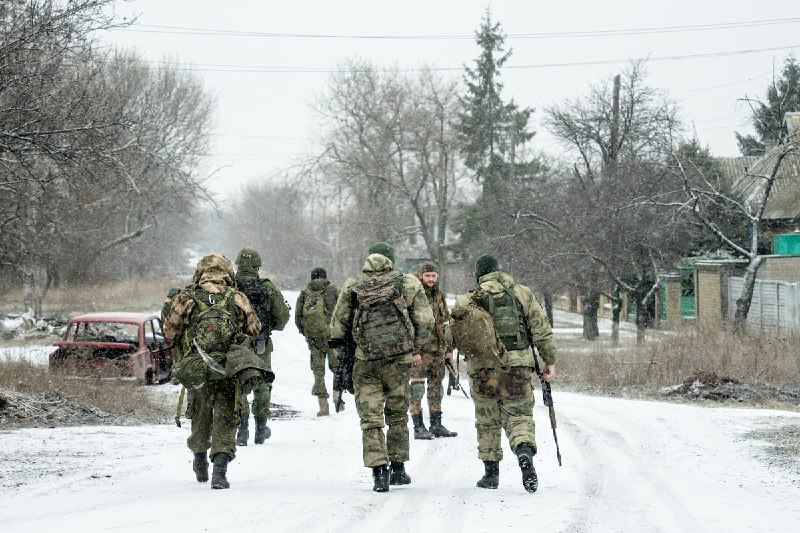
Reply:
x=265, y=122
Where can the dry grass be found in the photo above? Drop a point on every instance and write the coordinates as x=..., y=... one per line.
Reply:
x=61, y=399
x=675, y=357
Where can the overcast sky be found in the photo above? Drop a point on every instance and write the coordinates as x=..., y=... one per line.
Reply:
x=266, y=81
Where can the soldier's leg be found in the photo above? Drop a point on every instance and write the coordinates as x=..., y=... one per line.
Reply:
x=417, y=384
x=262, y=391
x=225, y=418
x=517, y=408
x=396, y=410
x=202, y=409
x=370, y=399
x=434, y=373
x=318, y=369
x=487, y=420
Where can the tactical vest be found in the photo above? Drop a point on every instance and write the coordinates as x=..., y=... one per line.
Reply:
x=508, y=317
x=382, y=328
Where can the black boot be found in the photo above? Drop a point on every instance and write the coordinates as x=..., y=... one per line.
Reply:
x=243, y=432
x=491, y=477
x=398, y=474
x=200, y=466
x=437, y=429
x=218, y=479
x=420, y=431
x=262, y=431
x=525, y=453
x=380, y=474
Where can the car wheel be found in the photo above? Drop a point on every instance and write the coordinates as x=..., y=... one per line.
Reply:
x=149, y=376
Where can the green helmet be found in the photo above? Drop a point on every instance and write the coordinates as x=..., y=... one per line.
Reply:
x=248, y=257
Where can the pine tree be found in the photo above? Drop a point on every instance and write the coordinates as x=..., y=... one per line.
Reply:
x=783, y=95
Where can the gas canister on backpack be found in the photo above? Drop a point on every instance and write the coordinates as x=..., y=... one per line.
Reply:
x=382, y=328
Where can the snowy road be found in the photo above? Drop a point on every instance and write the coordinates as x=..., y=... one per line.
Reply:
x=629, y=466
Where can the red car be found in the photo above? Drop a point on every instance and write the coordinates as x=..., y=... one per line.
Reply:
x=115, y=344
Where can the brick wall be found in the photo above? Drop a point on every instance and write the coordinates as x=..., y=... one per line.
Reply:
x=780, y=268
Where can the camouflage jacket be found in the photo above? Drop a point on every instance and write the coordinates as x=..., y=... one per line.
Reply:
x=539, y=330
x=176, y=323
x=437, y=344
x=418, y=308
x=329, y=296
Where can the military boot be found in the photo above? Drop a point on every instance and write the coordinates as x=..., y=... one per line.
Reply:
x=323, y=407
x=243, y=433
x=380, y=474
x=398, y=475
x=525, y=453
x=437, y=429
x=338, y=403
x=491, y=477
x=200, y=467
x=218, y=479
x=420, y=431
x=262, y=431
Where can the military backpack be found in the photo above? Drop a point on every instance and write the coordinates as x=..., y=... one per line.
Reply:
x=315, y=321
x=508, y=317
x=257, y=293
x=213, y=325
x=382, y=328
x=475, y=336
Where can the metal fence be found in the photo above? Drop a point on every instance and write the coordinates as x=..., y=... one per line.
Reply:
x=775, y=306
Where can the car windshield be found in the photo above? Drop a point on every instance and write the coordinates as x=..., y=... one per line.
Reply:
x=107, y=332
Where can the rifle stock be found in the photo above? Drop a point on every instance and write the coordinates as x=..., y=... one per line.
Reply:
x=547, y=398
x=343, y=377
x=454, y=376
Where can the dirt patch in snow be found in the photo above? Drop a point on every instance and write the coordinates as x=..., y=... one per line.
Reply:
x=711, y=386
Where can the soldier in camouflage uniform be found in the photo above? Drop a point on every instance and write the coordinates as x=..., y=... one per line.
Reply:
x=381, y=386
x=276, y=315
x=502, y=391
x=212, y=408
x=315, y=328
x=434, y=353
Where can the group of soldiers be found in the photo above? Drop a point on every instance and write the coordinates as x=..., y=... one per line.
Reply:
x=390, y=331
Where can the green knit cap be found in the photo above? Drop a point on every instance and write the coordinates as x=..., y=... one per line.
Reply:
x=384, y=249
x=485, y=264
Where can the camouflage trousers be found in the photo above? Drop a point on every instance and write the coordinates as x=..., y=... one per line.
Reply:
x=503, y=400
x=431, y=371
x=262, y=395
x=214, y=415
x=319, y=352
x=382, y=393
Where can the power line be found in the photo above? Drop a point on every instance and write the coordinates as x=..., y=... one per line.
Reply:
x=263, y=69
x=179, y=30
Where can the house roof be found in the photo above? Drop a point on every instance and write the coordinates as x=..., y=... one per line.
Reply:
x=749, y=176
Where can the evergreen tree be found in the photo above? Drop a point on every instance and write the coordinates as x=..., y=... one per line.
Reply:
x=783, y=95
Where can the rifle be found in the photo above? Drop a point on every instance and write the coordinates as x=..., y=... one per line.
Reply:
x=547, y=397
x=454, y=383
x=343, y=377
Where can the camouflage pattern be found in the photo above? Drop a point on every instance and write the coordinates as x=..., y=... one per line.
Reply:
x=503, y=397
x=211, y=408
x=541, y=334
x=330, y=293
x=248, y=258
x=381, y=387
x=503, y=400
x=279, y=316
x=432, y=369
x=382, y=394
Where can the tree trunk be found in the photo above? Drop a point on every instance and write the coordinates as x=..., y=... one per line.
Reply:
x=616, y=310
x=591, y=303
x=744, y=300
x=548, y=307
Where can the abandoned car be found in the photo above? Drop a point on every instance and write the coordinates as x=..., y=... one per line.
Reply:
x=115, y=345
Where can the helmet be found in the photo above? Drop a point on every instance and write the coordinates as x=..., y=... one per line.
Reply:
x=248, y=257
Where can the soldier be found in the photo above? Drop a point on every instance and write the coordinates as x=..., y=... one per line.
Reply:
x=212, y=407
x=312, y=316
x=500, y=380
x=434, y=354
x=167, y=305
x=273, y=312
x=389, y=318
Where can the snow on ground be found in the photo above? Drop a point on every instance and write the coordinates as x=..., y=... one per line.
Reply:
x=627, y=466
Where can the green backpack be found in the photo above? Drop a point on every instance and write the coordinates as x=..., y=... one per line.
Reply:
x=315, y=321
x=475, y=336
x=509, y=322
x=213, y=324
x=382, y=328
